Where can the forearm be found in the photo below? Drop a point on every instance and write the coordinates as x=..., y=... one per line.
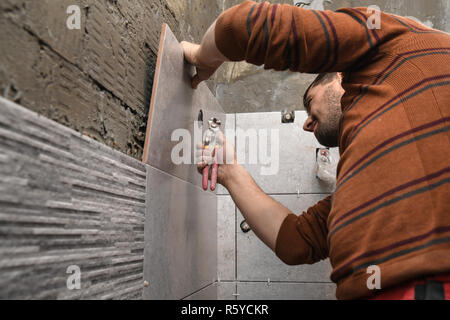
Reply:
x=208, y=54
x=262, y=213
x=206, y=57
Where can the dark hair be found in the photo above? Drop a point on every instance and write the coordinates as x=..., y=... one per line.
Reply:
x=322, y=79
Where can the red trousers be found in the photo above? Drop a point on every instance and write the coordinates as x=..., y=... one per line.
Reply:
x=428, y=288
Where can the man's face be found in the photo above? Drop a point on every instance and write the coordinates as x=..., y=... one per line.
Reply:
x=324, y=111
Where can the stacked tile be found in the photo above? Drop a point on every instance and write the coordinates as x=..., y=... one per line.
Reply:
x=67, y=204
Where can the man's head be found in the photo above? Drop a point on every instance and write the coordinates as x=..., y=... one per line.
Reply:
x=322, y=101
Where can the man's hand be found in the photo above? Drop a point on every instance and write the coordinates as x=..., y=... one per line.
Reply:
x=263, y=214
x=205, y=57
x=226, y=158
x=204, y=70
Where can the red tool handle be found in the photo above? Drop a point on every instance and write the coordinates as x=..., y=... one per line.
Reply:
x=205, y=174
x=215, y=168
x=205, y=178
x=214, y=171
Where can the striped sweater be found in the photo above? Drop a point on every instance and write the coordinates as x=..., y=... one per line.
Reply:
x=391, y=206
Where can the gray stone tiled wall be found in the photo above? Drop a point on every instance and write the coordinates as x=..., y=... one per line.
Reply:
x=66, y=200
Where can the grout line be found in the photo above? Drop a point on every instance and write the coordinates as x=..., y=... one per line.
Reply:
x=235, y=217
x=235, y=244
x=180, y=179
x=300, y=193
x=235, y=223
x=276, y=281
x=191, y=294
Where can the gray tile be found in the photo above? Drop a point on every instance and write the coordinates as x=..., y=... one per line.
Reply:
x=286, y=291
x=296, y=157
x=230, y=132
x=255, y=261
x=208, y=293
x=180, y=237
x=175, y=105
x=226, y=290
x=226, y=240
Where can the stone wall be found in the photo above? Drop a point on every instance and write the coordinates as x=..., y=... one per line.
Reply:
x=69, y=207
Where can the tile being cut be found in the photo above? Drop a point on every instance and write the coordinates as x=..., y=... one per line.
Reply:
x=174, y=109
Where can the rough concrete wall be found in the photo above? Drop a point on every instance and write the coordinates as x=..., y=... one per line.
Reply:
x=245, y=88
x=67, y=200
x=96, y=80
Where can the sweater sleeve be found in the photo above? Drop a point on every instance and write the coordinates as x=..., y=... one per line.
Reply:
x=288, y=37
x=303, y=239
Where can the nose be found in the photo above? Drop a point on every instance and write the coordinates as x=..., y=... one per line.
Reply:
x=309, y=125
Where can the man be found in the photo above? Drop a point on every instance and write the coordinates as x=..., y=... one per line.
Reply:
x=390, y=212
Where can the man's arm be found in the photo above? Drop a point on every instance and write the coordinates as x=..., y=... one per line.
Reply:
x=263, y=214
x=303, y=239
x=287, y=37
x=206, y=57
x=295, y=240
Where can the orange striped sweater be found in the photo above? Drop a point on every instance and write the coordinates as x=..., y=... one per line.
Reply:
x=391, y=206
